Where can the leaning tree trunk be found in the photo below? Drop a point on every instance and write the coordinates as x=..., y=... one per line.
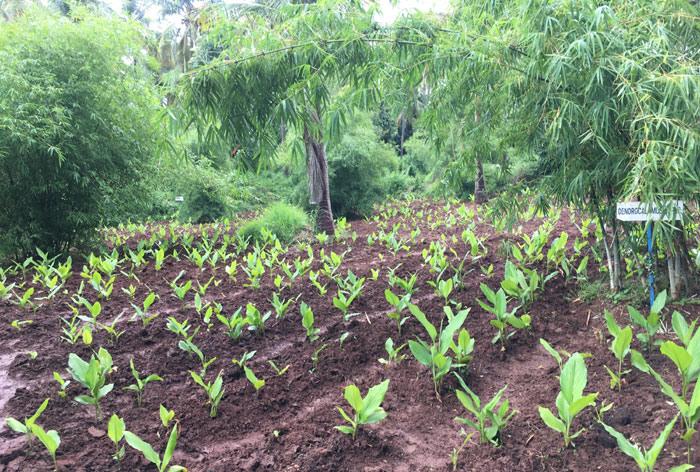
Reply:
x=317, y=167
x=479, y=184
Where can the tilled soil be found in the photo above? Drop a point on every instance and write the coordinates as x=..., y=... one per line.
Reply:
x=289, y=425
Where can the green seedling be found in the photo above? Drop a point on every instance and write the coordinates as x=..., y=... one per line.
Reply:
x=375, y=274
x=650, y=324
x=399, y=306
x=180, y=291
x=557, y=355
x=570, y=400
x=343, y=302
x=62, y=384
x=315, y=358
x=393, y=353
x=26, y=427
x=434, y=354
x=246, y=357
x=277, y=369
x=143, y=313
x=140, y=384
x=342, y=338
x=454, y=457
x=50, y=439
x=17, y=324
x=93, y=376
x=313, y=277
x=94, y=309
x=307, y=321
x=368, y=410
x=256, y=382
x=25, y=301
x=687, y=365
x=498, y=307
x=234, y=324
x=645, y=459
x=115, y=431
x=152, y=456
x=487, y=271
x=620, y=347
x=523, y=284
x=281, y=306
x=165, y=415
x=71, y=331
x=255, y=319
x=495, y=413
x=214, y=391
x=111, y=329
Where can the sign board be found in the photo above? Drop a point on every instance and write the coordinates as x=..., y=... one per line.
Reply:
x=179, y=199
x=638, y=211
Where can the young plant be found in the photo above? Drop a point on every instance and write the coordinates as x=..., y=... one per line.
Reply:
x=492, y=411
x=93, y=308
x=399, y=306
x=313, y=277
x=62, y=384
x=114, y=335
x=307, y=321
x=115, y=431
x=645, y=459
x=277, y=369
x=165, y=415
x=50, y=439
x=234, y=324
x=620, y=347
x=214, y=391
x=434, y=354
x=140, y=384
x=281, y=306
x=93, y=376
x=26, y=427
x=180, y=291
x=255, y=319
x=454, y=457
x=393, y=353
x=152, y=456
x=314, y=359
x=368, y=410
x=504, y=318
x=570, y=400
x=256, y=382
x=650, y=324
x=143, y=313
x=245, y=358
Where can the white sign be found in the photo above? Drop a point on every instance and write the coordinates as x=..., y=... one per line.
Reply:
x=638, y=211
x=179, y=199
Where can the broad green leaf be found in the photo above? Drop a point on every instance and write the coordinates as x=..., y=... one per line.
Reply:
x=421, y=354
x=142, y=446
x=627, y=447
x=621, y=344
x=574, y=377
x=170, y=448
x=115, y=428
x=345, y=429
x=375, y=397
x=354, y=397
x=345, y=415
x=655, y=450
x=448, y=333
x=432, y=332
x=375, y=417
x=659, y=303
x=39, y=411
x=613, y=327
x=678, y=355
x=552, y=421
x=582, y=403
x=16, y=425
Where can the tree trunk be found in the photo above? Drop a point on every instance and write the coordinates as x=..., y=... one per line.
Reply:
x=317, y=167
x=403, y=133
x=479, y=184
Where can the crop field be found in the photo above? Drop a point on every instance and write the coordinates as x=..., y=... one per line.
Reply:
x=185, y=346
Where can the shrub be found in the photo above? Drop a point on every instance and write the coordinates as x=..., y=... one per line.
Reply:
x=282, y=219
x=77, y=127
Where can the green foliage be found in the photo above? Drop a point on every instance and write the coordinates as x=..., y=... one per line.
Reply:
x=570, y=400
x=367, y=410
x=76, y=127
x=495, y=413
x=93, y=376
x=645, y=459
x=283, y=220
x=620, y=347
x=26, y=427
x=151, y=455
x=140, y=384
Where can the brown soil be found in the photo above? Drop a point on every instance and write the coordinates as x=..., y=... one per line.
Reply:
x=289, y=425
